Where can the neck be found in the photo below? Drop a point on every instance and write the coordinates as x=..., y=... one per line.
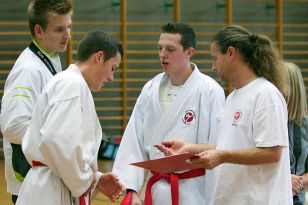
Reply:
x=43, y=48
x=243, y=77
x=180, y=77
x=81, y=66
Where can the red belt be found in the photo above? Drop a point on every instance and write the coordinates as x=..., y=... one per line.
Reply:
x=82, y=199
x=127, y=199
x=173, y=179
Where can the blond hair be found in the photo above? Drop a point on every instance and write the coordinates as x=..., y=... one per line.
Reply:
x=296, y=100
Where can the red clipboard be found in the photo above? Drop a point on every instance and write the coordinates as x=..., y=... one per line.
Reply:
x=169, y=164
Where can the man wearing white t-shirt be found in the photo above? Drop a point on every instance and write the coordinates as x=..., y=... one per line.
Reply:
x=252, y=153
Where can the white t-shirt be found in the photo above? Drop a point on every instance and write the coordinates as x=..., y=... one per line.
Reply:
x=254, y=116
x=167, y=93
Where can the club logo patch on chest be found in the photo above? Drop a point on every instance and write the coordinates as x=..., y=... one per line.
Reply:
x=189, y=117
x=237, y=117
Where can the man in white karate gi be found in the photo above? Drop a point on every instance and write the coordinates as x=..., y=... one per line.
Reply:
x=179, y=103
x=49, y=23
x=64, y=134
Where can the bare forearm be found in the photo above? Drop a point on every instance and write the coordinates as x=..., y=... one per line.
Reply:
x=209, y=159
x=251, y=156
x=197, y=148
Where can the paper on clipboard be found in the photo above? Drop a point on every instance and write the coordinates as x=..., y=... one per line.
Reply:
x=168, y=164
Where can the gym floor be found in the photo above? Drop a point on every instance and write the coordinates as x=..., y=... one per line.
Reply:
x=100, y=199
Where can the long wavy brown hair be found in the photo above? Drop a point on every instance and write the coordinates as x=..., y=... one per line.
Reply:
x=257, y=52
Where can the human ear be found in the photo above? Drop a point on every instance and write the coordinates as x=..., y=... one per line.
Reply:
x=38, y=30
x=231, y=53
x=100, y=56
x=191, y=52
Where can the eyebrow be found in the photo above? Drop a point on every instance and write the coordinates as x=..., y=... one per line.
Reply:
x=166, y=46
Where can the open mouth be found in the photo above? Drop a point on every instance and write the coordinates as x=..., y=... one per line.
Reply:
x=164, y=63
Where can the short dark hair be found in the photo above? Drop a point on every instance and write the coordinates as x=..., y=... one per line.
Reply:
x=38, y=11
x=98, y=41
x=186, y=31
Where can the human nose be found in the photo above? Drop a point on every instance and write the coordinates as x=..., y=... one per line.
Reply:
x=68, y=33
x=213, y=67
x=162, y=53
x=110, y=78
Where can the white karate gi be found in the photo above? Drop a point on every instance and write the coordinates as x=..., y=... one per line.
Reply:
x=22, y=88
x=148, y=126
x=255, y=116
x=65, y=135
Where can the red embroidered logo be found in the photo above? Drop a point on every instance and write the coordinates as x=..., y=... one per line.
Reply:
x=189, y=117
x=237, y=117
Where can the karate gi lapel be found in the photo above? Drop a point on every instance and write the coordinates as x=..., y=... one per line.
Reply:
x=175, y=110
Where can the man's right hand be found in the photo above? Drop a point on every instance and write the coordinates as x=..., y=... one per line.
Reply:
x=110, y=185
x=172, y=147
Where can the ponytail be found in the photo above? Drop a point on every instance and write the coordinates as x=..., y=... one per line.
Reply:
x=267, y=63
